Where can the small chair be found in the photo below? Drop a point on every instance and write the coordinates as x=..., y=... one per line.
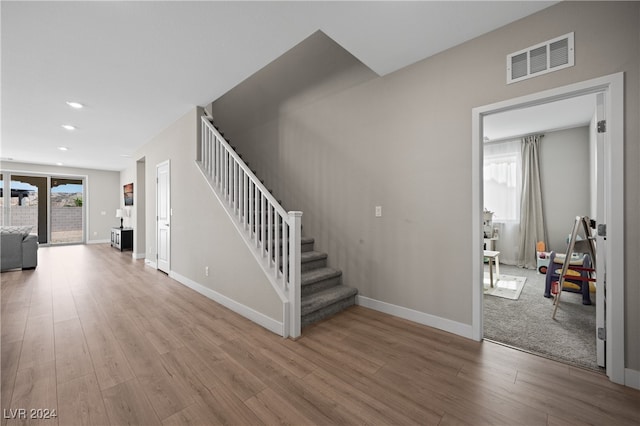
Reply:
x=578, y=267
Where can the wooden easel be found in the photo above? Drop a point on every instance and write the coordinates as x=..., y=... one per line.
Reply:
x=590, y=247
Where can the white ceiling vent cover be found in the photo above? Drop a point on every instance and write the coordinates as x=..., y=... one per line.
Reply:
x=540, y=59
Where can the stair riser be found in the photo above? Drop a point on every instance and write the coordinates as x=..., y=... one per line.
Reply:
x=321, y=285
x=328, y=311
x=314, y=264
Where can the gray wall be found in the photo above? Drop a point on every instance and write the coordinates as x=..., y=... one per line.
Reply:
x=339, y=144
x=564, y=162
x=102, y=194
x=201, y=232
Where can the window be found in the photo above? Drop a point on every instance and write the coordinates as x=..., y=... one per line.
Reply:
x=503, y=180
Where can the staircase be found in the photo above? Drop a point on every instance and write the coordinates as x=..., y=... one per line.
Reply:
x=323, y=293
x=309, y=289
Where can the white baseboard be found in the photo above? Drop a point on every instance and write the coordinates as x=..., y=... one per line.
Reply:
x=247, y=312
x=138, y=256
x=151, y=263
x=632, y=378
x=98, y=241
x=464, y=330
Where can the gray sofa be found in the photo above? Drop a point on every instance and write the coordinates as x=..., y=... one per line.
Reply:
x=18, y=248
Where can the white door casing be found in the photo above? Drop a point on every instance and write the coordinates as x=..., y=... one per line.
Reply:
x=163, y=217
x=601, y=219
x=612, y=89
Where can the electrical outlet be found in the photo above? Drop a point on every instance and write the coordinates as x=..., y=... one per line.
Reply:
x=378, y=211
x=95, y=233
x=206, y=271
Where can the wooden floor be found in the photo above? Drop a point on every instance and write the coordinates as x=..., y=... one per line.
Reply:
x=102, y=339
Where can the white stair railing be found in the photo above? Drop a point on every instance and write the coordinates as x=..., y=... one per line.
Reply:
x=272, y=233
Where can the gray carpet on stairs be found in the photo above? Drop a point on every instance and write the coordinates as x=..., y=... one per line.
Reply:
x=323, y=304
x=526, y=323
x=323, y=293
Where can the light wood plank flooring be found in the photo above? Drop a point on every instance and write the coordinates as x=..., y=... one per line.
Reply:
x=102, y=339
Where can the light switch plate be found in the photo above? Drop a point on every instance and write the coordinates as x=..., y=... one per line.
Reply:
x=378, y=211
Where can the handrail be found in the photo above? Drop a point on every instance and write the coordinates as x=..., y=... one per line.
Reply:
x=272, y=233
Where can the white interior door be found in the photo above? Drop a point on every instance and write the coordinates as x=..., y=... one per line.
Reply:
x=163, y=209
x=601, y=220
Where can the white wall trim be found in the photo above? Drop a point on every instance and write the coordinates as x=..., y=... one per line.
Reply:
x=440, y=323
x=138, y=256
x=632, y=378
x=151, y=263
x=99, y=242
x=247, y=312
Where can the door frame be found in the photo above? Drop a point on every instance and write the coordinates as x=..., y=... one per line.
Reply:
x=85, y=225
x=612, y=86
x=6, y=209
x=601, y=216
x=168, y=164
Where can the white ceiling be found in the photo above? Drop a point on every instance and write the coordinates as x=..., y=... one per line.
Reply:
x=563, y=114
x=138, y=66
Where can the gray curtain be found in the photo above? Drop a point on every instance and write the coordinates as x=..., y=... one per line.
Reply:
x=532, y=228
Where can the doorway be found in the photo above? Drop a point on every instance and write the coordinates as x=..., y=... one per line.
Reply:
x=612, y=89
x=517, y=308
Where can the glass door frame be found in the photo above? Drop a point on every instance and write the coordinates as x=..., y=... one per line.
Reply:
x=83, y=179
x=7, y=175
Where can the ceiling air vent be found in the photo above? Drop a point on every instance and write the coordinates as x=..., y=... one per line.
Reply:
x=540, y=59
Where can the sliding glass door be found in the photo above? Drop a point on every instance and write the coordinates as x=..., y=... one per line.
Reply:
x=67, y=199
x=28, y=206
x=52, y=205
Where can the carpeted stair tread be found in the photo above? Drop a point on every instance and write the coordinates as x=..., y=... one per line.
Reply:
x=319, y=274
x=310, y=260
x=307, y=240
x=306, y=244
x=324, y=298
x=317, y=279
x=310, y=256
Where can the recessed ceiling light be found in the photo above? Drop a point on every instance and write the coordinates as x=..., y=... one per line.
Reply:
x=125, y=155
x=76, y=105
x=68, y=127
x=58, y=164
x=63, y=148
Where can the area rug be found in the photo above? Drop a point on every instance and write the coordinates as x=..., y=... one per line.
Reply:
x=506, y=286
x=526, y=323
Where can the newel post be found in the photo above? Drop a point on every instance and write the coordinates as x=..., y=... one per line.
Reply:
x=295, y=236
